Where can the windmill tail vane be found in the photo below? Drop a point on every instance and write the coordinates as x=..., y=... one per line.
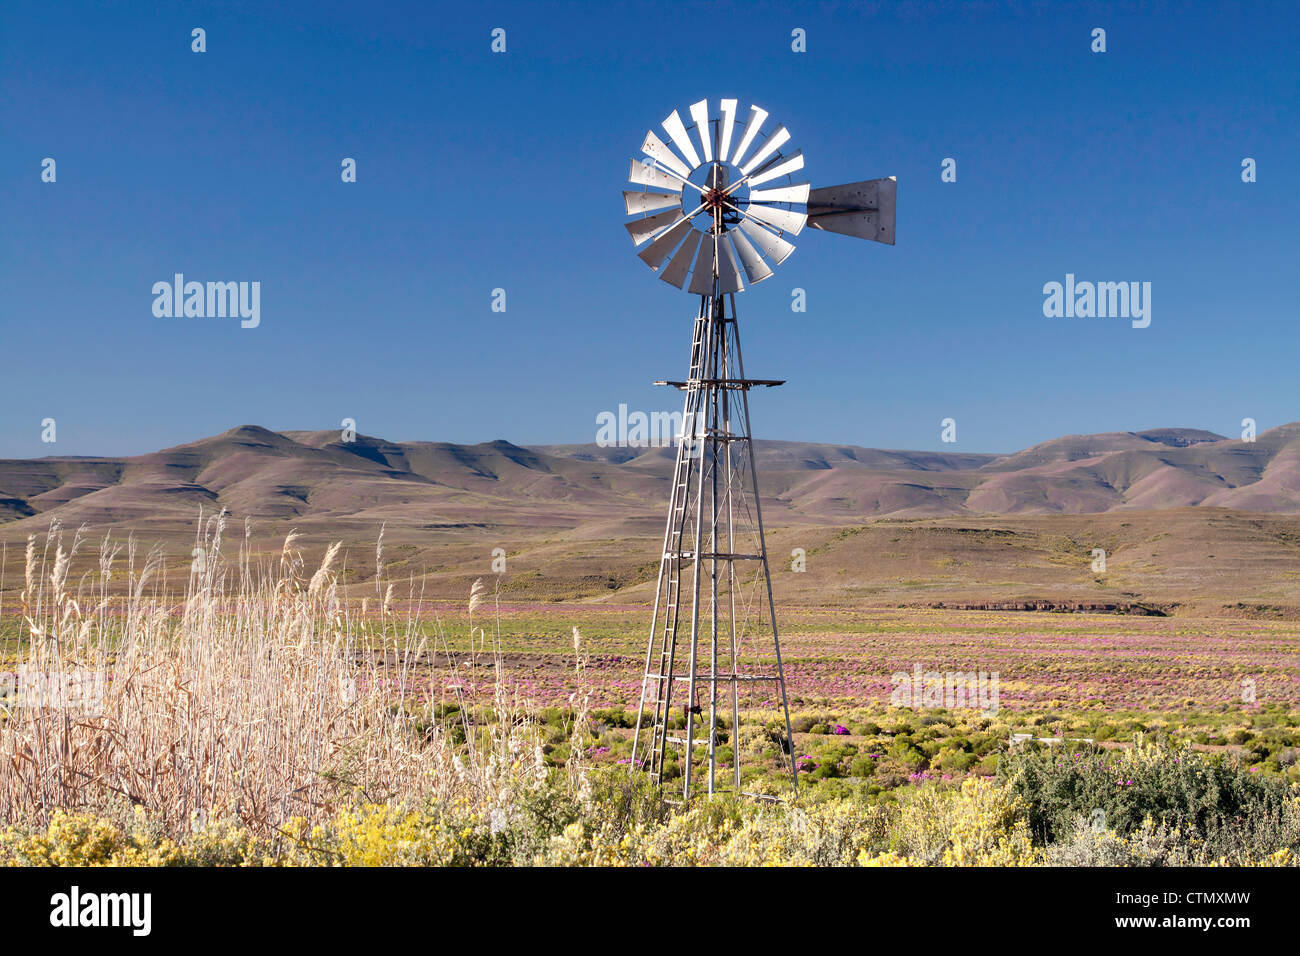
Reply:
x=720, y=216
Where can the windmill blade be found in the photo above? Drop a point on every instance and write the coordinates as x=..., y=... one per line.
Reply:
x=791, y=164
x=769, y=243
x=655, y=254
x=796, y=193
x=755, y=267
x=756, y=119
x=654, y=147
x=702, y=277
x=865, y=210
x=700, y=113
x=643, y=229
x=728, y=127
x=645, y=174
x=784, y=219
x=676, y=131
x=728, y=272
x=774, y=142
x=676, y=270
x=649, y=201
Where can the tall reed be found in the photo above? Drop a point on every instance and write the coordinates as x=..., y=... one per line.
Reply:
x=260, y=693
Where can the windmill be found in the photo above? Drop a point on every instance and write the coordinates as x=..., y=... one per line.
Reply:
x=717, y=215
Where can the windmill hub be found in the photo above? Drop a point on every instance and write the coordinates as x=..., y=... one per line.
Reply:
x=712, y=199
x=713, y=635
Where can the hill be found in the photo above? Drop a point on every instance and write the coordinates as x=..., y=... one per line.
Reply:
x=1187, y=517
x=311, y=477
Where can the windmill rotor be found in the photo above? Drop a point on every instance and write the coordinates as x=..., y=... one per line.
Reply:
x=728, y=180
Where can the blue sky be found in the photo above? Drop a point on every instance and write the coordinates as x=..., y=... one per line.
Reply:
x=479, y=171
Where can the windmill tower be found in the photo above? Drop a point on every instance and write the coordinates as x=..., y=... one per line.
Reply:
x=711, y=215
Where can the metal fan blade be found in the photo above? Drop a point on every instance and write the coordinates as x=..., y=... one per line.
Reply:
x=774, y=142
x=676, y=270
x=655, y=254
x=796, y=193
x=728, y=273
x=865, y=210
x=655, y=148
x=677, y=132
x=728, y=126
x=702, y=277
x=791, y=164
x=643, y=229
x=700, y=113
x=755, y=267
x=649, y=201
x=643, y=173
x=769, y=243
x=756, y=119
x=783, y=219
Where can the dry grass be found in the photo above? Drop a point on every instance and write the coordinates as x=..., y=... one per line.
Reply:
x=246, y=697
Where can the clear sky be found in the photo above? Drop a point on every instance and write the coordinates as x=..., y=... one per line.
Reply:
x=479, y=171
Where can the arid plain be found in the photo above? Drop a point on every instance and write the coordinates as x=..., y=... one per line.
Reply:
x=1118, y=589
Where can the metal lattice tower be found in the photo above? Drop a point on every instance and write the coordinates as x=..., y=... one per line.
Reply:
x=714, y=584
x=714, y=644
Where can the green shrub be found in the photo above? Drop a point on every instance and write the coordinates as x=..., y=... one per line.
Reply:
x=1224, y=808
x=958, y=762
x=863, y=766
x=615, y=717
x=909, y=756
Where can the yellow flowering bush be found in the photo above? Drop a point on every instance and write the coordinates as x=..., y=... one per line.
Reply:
x=84, y=839
x=835, y=833
x=385, y=836
x=981, y=824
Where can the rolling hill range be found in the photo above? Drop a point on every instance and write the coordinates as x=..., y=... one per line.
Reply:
x=311, y=477
x=1188, y=519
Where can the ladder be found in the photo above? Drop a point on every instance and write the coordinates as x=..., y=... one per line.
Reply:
x=659, y=676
